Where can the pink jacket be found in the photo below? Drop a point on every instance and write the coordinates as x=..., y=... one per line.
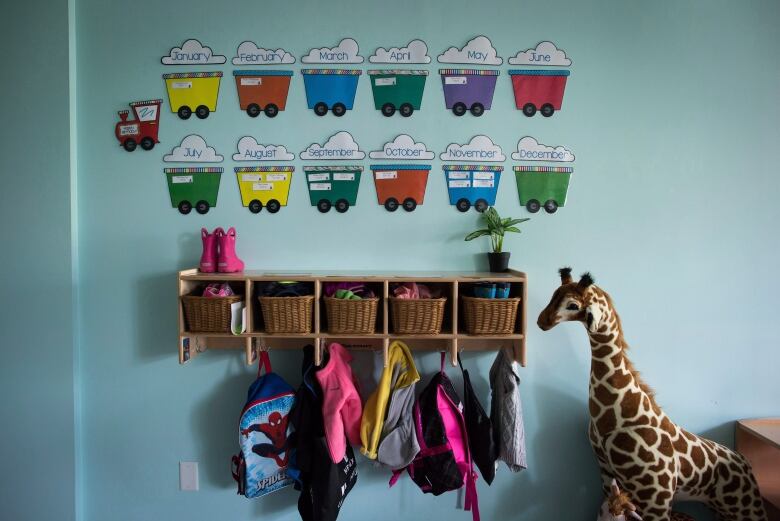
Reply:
x=341, y=407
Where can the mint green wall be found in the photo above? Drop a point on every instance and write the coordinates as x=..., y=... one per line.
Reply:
x=37, y=447
x=672, y=112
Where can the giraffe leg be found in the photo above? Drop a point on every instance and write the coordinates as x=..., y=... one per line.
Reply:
x=653, y=501
x=735, y=496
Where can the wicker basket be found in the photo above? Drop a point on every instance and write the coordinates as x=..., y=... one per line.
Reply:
x=208, y=314
x=287, y=314
x=490, y=316
x=417, y=316
x=351, y=316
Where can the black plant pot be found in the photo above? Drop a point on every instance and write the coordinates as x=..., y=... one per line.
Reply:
x=499, y=262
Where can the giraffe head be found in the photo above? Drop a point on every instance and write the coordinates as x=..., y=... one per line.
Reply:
x=578, y=301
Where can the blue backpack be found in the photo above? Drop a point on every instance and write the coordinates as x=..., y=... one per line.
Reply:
x=261, y=466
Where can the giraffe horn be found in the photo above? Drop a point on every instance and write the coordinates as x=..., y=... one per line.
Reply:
x=586, y=280
x=565, y=274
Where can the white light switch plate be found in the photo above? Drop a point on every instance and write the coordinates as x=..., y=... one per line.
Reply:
x=188, y=475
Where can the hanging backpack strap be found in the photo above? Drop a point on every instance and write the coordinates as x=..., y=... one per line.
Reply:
x=471, y=501
x=263, y=361
x=237, y=469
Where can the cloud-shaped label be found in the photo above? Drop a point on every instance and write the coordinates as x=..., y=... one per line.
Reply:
x=402, y=147
x=250, y=150
x=480, y=148
x=479, y=51
x=248, y=53
x=529, y=149
x=546, y=53
x=192, y=52
x=345, y=52
x=193, y=149
x=339, y=146
x=415, y=51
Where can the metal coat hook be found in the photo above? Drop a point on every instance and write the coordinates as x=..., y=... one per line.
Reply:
x=198, y=347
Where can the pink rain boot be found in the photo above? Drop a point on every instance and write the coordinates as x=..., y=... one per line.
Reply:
x=228, y=260
x=208, y=259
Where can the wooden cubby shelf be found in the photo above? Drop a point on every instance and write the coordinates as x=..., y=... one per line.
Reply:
x=452, y=339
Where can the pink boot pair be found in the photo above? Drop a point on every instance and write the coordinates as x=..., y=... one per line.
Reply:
x=219, y=251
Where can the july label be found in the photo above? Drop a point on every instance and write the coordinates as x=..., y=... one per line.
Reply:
x=276, y=177
x=251, y=81
x=387, y=175
x=459, y=175
x=483, y=175
x=261, y=187
x=343, y=177
x=181, y=85
x=179, y=179
x=250, y=177
x=483, y=183
x=319, y=177
x=460, y=184
x=455, y=80
x=382, y=82
x=319, y=186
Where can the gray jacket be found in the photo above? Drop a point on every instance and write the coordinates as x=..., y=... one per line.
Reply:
x=506, y=412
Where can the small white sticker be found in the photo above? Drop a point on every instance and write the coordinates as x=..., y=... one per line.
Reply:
x=181, y=85
x=343, y=177
x=319, y=186
x=387, y=175
x=459, y=175
x=128, y=130
x=460, y=184
x=276, y=177
x=251, y=81
x=179, y=179
x=250, y=177
x=455, y=80
x=262, y=187
x=319, y=177
x=478, y=183
x=383, y=82
x=483, y=175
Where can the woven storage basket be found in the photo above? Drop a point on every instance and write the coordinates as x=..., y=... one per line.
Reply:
x=417, y=316
x=351, y=316
x=490, y=316
x=208, y=314
x=287, y=314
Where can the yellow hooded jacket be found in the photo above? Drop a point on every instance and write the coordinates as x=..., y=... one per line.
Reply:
x=375, y=409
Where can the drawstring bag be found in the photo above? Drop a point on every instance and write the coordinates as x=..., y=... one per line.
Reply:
x=480, y=430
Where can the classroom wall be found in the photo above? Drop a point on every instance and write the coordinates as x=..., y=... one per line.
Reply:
x=672, y=113
x=37, y=369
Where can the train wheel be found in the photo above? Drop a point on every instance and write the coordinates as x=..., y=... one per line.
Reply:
x=147, y=143
x=253, y=110
x=273, y=206
x=410, y=204
x=529, y=109
x=406, y=109
x=323, y=205
x=271, y=110
x=547, y=110
x=202, y=207
x=477, y=109
x=185, y=207
x=463, y=205
x=320, y=109
x=550, y=206
x=339, y=109
x=129, y=144
x=184, y=112
x=532, y=205
x=342, y=205
x=391, y=204
x=202, y=112
x=459, y=109
x=388, y=109
x=480, y=205
x=255, y=206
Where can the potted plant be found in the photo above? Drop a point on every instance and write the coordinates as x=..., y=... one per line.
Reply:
x=496, y=229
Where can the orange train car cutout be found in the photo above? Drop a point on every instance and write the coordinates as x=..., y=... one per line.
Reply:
x=402, y=185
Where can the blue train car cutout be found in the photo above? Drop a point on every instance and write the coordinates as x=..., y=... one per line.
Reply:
x=472, y=185
x=332, y=89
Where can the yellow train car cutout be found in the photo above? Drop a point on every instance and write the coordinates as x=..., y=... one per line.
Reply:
x=190, y=92
x=264, y=186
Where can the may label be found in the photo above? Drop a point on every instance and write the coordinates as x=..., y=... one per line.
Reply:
x=459, y=184
x=261, y=187
x=250, y=177
x=387, y=175
x=319, y=186
x=383, y=82
x=180, y=179
x=319, y=177
x=181, y=85
x=276, y=177
x=459, y=175
x=483, y=175
x=251, y=81
x=483, y=183
x=343, y=177
x=455, y=80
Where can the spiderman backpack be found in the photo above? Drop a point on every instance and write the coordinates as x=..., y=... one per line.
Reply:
x=261, y=466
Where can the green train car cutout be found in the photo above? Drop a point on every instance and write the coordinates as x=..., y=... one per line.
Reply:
x=542, y=186
x=333, y=186
x=193, y=188
x=397, y=89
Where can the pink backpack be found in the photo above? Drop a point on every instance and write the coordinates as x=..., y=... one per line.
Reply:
x=444, y=461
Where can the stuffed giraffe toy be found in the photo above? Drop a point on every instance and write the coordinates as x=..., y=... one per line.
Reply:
x=618, y=507
x=654, y=460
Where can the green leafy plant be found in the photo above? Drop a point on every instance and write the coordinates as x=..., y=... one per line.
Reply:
x=496, y=228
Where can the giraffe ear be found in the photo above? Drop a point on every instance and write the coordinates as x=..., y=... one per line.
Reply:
x=565, y=274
